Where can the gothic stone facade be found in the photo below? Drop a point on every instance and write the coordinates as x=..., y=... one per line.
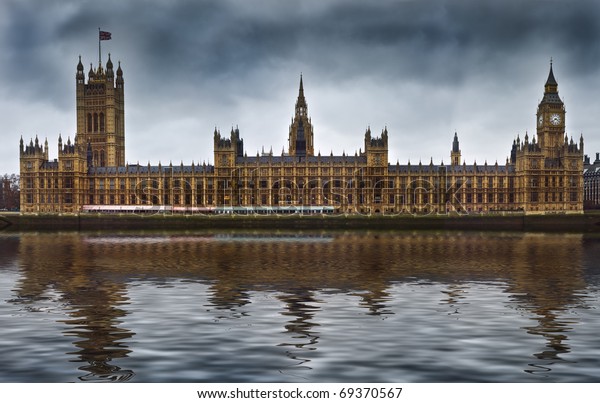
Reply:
x=542, y=175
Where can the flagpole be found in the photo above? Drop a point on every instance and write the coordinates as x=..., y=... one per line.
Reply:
x=99, y=49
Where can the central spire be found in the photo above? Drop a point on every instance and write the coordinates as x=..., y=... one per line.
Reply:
x=301, y=107
x=301, y=130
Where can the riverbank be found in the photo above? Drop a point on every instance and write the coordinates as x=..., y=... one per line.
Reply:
x=589, y=222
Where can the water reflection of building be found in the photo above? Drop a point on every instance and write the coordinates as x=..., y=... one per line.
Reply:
x=541, y=273
x=93, y=301
x=300, y=306
x=547, y=280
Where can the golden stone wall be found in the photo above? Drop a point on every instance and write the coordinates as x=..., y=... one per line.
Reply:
x=544, y=175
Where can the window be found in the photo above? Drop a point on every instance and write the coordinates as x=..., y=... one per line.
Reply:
x=572, y=181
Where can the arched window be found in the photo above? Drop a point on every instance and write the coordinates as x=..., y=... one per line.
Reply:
x=95, y=122
x=89, y=122
x=96, y=158
x=102, y=161
x=102, y=122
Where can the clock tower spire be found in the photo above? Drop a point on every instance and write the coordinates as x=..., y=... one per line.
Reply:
x=551, y=118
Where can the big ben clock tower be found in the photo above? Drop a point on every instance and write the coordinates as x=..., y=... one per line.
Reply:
x=551, y=119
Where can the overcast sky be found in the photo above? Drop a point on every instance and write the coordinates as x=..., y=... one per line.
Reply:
x=423, y=68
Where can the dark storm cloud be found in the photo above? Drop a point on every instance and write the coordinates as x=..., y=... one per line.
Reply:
x=443, y=39
x=425, y=68
x=447, y=39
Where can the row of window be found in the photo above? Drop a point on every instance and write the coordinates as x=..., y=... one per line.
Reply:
x=95, y=122
x=418, y=198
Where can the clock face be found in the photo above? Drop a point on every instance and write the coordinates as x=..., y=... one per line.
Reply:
x=540, y=120
x=555, y=119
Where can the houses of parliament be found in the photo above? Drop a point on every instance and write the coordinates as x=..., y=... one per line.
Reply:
x=543, y=174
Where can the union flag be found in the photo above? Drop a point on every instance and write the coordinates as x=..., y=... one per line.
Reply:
x=105, y=36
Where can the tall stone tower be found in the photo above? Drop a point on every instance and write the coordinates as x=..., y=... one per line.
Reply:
x=551, y=119
x=549, y=169
x=101, y=114
x=301, y=130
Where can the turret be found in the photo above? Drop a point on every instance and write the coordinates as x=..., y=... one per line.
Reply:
x=455, y=153
x=376, y=148
x=119, y=82
x=80, y=75
x=110, y=74
x=91, y=74
x=227, y=149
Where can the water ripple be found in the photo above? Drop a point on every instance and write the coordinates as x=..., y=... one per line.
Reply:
x=300, y=307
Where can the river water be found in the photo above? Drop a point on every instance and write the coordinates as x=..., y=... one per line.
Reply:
x=260, y=306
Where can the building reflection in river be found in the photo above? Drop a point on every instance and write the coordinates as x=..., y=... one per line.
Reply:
x=95, y=303
x=541, y=274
